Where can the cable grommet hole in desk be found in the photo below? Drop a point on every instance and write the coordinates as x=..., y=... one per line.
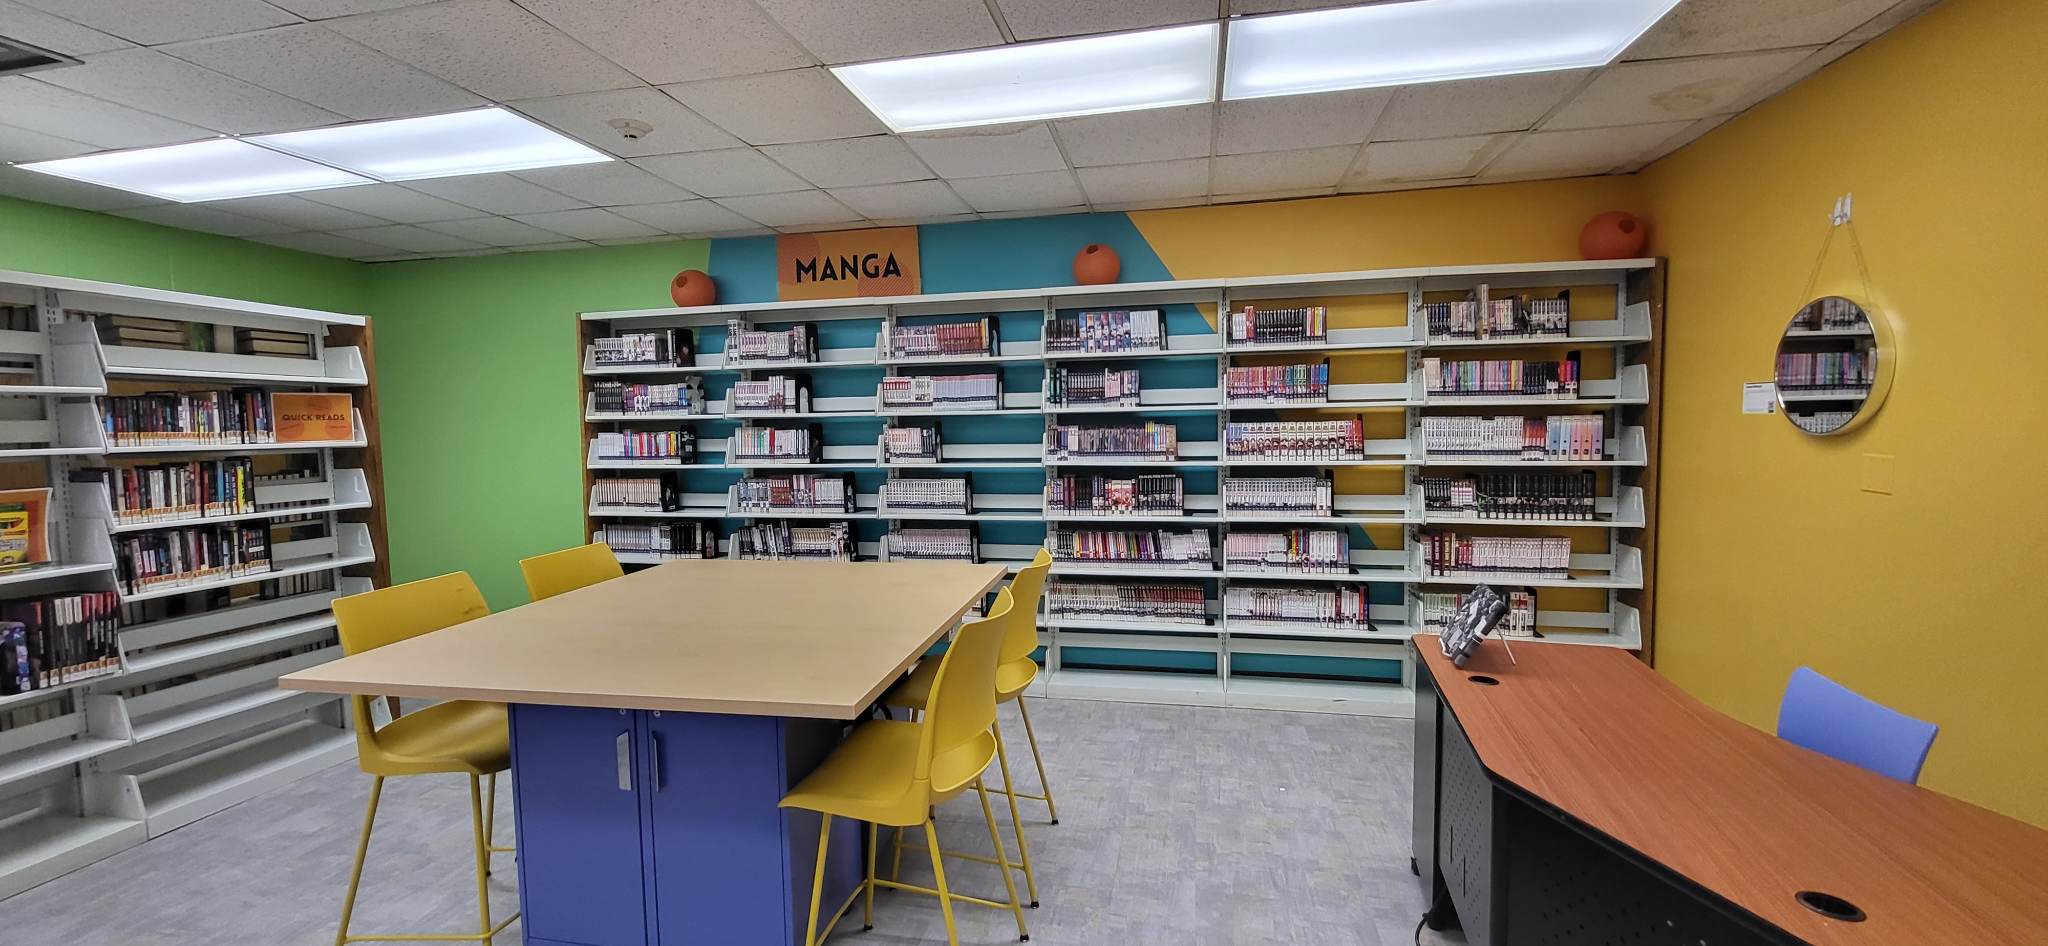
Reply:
x=1830, y=906
x=1482, y=679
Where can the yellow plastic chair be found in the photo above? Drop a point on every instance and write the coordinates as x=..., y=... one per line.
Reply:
x=1014, y=674
x=567, y=570
x=456, y=737
x=893, y=773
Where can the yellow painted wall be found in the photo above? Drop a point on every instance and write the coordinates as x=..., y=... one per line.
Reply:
x=1928, y=599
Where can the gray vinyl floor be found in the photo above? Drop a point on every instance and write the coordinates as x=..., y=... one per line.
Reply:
x=1186, y=826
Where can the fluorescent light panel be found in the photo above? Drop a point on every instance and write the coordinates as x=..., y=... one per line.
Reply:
x=215, y=169
x=1404, y=43
x=410, y=149
x=1033, y=81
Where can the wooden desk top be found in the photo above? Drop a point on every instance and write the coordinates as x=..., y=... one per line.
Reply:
x=810, y=639
x=1613, y=744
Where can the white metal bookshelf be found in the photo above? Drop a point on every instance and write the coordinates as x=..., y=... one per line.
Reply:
x=192, y=720
x=1614, y=570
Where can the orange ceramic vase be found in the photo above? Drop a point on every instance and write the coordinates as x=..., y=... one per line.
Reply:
x=693, y=287
x=1096, y=264
x=1612, y=235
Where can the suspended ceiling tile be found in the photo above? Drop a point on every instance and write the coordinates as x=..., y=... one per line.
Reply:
x=54, y=33
x=21, y=144
x=665, y=41
x=52, y=110
x=1429, y=160
x=587, y=117
x=795, y=209
x=722, y=173
x=851, y=162
x=907, y=199
x=1586, y=151
x=1379, y=187
x=1293, y=122
x=779, y=107
x=1156, y=180
x=391, y=202
x=689, y=217
x=588, y=224
x=1043, y=19
x=28, y=185
x=739, y=234
x=495, y=231
x=150, y=22
x=497, y=193
x=410, y=239
x=1282, y=170
x=316, y=65
x=389, y=257
x=325, y=244
x=1701, y=27
x=1798, y=73
x=1677, y=141
x=859, y=30
x=1166, y=204
x=1045, y=212
x=157, y=83
x=329, y=9
x=825, y=227
x=551, y=247
x=924, y=221
x=205, y=219
x=1897, y=15
x=1635, y=93
x=1248, y=7
x=637, y=241
x=613, y=182
x=1153, y=134
x=1044, y=190
x=988, y=150
x=297, y=212
x=1475, y=106
x=1273, y=195
x=490, y=47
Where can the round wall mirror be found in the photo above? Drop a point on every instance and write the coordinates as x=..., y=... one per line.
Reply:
x=1832, y=371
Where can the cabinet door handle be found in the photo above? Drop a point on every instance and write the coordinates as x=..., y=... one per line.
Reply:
x=624, y=746
x=654, y=749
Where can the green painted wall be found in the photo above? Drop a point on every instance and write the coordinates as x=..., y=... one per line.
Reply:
x=40, y=238
x=463, y=347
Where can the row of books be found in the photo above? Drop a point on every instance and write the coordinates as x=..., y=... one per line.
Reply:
x=1278, y=382
x=1831, y=312
x=189, y=418
x=637, y=492
x=1438, y=606
x=1296, y=440
x=616, y=397
x=1160, y=547
x=775, y=394
x=648, y=445
x=667, y=539
x=947, y=339
x=135, y=613
x=1513, y=495
x=1278, y=495
x=798, y=492
x=134, y=331
x=1502, y=377
x=58, y=640
x=953, y=544
x=798, y=343
x=1152, y=495
x=936, y=495
x=171, y=491
x=1565, y=437
x=1506, y=317
x=961, y=391
x=671, y=347
x=786, y=444
x=784, y=541
x=1820, y=422
x=1311, y=551
x=1148, y=441
x=1252, y=325
x=1448, y=553
x=1185, y=603
x=1333, y=606
x=1091, y=387
x=911, y=445
x=1827, y=372
x=1115, y=330
x=175, y=558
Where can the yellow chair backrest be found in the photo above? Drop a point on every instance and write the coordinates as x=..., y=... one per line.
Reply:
x=1022, y=636
x=388, y=615
x=962, y=705
x=557, y=572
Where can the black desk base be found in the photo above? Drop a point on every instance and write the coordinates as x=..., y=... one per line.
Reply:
x=1513, y=871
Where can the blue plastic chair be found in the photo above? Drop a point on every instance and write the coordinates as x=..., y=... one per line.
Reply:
x=1832, y=719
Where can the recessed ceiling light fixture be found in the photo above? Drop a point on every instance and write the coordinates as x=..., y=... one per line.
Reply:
x=410, y=149
x=215, y=169
x=1404, y=43
x=1033, y=81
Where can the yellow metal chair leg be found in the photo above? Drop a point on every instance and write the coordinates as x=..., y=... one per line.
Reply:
x=818, y=880
x=931, y=840
x=355, y=874
x=988, y=814
x=1036, y=757
x=491, y=815
x=1016, y=820
x=483, y=858
x=867, y=920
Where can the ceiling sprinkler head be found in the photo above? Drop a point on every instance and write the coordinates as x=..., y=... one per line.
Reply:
x=631, y=129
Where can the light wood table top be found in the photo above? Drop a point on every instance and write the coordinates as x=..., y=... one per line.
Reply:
x=810, y=639
x=1594, y=733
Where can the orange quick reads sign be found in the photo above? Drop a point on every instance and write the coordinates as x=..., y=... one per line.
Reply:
x=880, y=262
